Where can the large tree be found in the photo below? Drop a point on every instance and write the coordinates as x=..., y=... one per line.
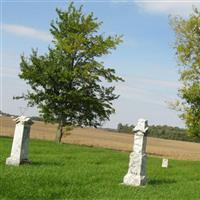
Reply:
x=187, y=47
x=69, y=84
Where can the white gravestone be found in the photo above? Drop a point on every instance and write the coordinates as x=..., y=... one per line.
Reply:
x=136, y=175
x=165, y=163
x=19, y=151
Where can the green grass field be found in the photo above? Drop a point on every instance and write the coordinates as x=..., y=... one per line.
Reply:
x=78, y=172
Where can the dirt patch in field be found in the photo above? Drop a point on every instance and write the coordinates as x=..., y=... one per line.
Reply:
x=100, y=138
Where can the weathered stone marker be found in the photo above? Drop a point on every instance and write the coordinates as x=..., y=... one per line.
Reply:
x=165, y=163
x=19, y=151
x=136, y=175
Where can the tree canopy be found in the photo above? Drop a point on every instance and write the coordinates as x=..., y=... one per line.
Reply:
x=68, y=82
x=187, y=47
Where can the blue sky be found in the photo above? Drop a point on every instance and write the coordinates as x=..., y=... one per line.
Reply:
x=146, y=58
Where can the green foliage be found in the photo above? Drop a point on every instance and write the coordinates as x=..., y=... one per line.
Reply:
x=78, y=172
x=172, y=133
x=68, y=82
x=124, y=128
x=188, y=52
x=165, y=132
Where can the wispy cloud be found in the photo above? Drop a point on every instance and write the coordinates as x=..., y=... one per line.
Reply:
x=174, y=7
x=160, y=83
x=27, y=32
x=147, y=90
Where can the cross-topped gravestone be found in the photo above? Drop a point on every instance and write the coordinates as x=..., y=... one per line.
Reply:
x=136, y=175
x=19, y=151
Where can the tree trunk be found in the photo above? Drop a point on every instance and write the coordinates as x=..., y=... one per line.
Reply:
x=59, y=133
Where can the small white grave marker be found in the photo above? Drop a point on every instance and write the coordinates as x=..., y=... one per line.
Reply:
x=19, y=151
x=136, y=175
x=165, y=163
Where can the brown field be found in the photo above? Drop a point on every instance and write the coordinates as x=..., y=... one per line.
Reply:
x=100, y=138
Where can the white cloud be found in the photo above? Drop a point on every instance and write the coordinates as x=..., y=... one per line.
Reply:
x=27, y=32
x=174, y=7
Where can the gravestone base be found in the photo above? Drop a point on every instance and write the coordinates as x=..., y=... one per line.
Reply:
x=136, y=173
x=133, y=180
x=16, y=162
x=11, y=161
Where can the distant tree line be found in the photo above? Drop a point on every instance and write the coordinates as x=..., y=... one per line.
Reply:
x=124, y=128
x=7, y=114
x=35, y=118
x=165, y=132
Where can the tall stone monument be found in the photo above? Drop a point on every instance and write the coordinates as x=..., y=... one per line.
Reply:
x=19, y=151
x=136, y=175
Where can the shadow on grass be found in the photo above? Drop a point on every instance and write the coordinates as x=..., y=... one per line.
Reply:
x=46, y=163
x=161, y=181
x=6, y=137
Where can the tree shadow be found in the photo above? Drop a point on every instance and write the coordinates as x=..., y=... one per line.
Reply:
x=161, y=181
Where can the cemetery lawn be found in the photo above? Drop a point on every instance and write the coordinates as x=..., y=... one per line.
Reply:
x=77, y=172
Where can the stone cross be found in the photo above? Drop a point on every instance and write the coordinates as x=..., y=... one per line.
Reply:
x=165, y=163
x=19, y=151
x=136, y=175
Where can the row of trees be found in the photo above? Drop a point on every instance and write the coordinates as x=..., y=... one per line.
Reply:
x=165, y=132
x=125, y=128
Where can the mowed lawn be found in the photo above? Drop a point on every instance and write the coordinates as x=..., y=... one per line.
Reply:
x=77, y=172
